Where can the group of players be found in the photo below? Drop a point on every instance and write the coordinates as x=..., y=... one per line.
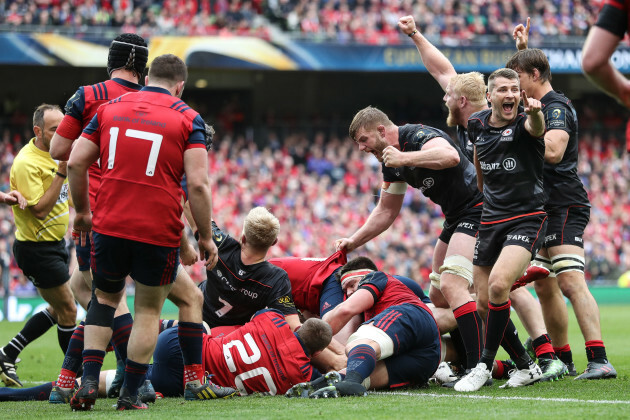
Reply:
x=508, y=188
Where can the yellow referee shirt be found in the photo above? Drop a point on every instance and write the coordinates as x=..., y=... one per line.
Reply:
x=32, y=172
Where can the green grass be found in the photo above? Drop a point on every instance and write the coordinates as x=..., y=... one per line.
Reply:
x=565, y=399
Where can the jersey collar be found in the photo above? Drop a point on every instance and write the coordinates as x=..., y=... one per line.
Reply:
x=127, y=83
x=155, y=89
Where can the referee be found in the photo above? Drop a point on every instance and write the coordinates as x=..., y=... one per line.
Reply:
x=39, y=248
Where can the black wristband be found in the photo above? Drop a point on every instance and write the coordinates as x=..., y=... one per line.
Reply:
x=59, y=174
x=415, y=31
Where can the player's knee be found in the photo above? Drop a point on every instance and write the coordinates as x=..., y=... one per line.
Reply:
x=99, y=314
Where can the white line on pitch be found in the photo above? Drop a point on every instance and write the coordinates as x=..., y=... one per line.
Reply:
x=488, y=397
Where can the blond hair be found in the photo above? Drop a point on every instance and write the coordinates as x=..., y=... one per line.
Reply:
x=261, y=228
x=368, y=118
x=471, y=85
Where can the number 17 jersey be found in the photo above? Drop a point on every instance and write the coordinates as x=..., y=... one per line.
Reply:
x=142, y=137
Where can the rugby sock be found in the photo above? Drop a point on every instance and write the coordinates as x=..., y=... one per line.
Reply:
x=460, y=348
x=543, y=348
x=190, y=335
x=469, y=325
x=34, y=328
x=513, y=346
x=502, y=369
x=36, y=393
x=64, y=334
x=92, y=363
x=596, y=351
x=74, y=357
x=166, y=323
x=361, y=363
x=564, y=353
x=121, y=330
x=496, y=322
x=135, y=374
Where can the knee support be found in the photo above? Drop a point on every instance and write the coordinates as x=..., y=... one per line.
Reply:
x=459, y=266
x=99, y=314
x=541, y=261
x=567, y=262
x=435, y=279
x=370, y=332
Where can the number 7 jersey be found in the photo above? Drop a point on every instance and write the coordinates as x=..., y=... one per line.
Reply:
x=263, y=356
x=142, y=137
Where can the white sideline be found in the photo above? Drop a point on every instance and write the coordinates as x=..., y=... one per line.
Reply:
x=511, y=398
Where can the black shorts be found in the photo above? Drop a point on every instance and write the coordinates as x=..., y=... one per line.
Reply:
x=114, y=258
x=566, y=226
x=468, y=224
x=45, y=264
x=526, y=231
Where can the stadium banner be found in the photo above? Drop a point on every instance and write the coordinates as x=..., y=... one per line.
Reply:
x=19, y=309
x=281, y=53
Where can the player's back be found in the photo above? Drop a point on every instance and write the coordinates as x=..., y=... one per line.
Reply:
x=142, y=137
x=262, y=356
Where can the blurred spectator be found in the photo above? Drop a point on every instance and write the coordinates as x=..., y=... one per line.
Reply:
x=363, y=21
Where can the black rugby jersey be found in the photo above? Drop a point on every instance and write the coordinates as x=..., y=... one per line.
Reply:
x=464, y=143
x=235, y=291
x=454, y=189
x=512, y=164
x=562, y=184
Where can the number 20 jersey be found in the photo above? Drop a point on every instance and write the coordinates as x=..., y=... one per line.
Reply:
x=262, y=356
x=142, y=138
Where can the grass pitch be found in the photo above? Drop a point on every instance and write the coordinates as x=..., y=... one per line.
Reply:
x=564, y=399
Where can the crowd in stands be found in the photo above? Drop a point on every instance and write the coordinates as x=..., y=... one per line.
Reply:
x=322, y=188
x=366, y=21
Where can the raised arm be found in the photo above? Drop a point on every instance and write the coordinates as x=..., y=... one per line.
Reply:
x=436, y=63
x=599, y=69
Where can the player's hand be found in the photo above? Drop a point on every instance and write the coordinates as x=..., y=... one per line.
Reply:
x=14, y=197
x=392, y=157
x=531, y=106
x=188, y=255
x=346, y=244
x=208, y=251
x=82, y=228
x=407, y=24
x=521, y=35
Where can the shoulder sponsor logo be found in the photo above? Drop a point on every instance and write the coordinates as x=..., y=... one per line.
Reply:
x=556, y=118
x=509, y=164
x=507, y=132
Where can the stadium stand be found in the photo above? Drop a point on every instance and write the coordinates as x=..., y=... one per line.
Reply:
x=363, y=21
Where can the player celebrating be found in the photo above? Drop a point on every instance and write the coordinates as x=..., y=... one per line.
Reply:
x=428, y=159
x=509, y=152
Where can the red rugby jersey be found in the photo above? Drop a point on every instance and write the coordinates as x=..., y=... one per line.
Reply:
x=307, y=276
x=80, y=109
x=142, y=137
x=263, y=356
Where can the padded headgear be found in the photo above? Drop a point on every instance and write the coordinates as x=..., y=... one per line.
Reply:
x=129, y=52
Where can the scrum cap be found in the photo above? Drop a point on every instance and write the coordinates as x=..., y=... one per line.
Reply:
x=129, y=52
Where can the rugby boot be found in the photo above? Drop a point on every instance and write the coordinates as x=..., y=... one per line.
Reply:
x=304, y=389
x=84, y=398
x=474, y=380
x=552, y=369
x=522, y=377
x=207, y=391
x=7, y=371
x=596, y=370
x=127, y=402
